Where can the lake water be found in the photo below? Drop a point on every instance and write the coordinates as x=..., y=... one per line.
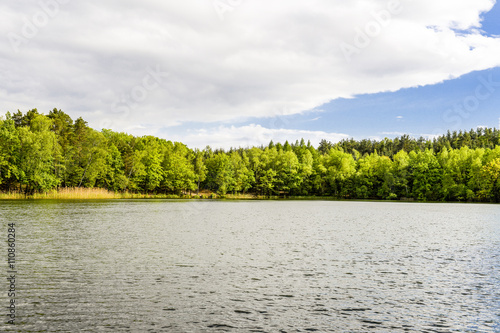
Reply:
x=253, y=266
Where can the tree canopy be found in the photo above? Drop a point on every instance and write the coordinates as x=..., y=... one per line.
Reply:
x=42, y=152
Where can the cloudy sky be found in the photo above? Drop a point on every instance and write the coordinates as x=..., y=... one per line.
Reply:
x=240, y=72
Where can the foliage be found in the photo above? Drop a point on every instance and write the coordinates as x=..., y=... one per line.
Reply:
x=41, y=154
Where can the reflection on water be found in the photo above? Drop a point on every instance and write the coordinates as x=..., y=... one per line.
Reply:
x=255, y=266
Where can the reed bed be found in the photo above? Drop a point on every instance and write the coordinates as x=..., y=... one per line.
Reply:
x=12, y=195
x=75, y=193
x=128, y=195
x=81, y=193
x=241, y=196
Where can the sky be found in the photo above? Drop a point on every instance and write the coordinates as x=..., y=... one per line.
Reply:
x=239, y=73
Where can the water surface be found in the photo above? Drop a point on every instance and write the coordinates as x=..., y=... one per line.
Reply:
x=255, y=266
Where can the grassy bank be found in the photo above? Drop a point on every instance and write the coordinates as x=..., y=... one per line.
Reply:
x=80, y=193
x=64, y=193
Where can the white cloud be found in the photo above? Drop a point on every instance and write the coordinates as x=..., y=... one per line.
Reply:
x=250, y=136
x=394, y=133
x=430, y=136
x=263, y=59
x=416, y=136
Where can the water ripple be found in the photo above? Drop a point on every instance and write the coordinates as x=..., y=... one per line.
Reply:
x=272, y=266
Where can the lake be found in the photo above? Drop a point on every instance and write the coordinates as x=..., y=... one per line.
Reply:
x=253, y=266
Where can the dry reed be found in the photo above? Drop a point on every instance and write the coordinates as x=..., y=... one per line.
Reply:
x=81, y=193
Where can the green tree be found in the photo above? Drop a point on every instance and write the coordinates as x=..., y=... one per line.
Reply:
x=340, y=170
x=243, y=177
x=220, y=173
x=200, y=170
x=179, y=174
x=400, y=171
x=150, y=155
x=426, y=175
x=35, y=155
x=62, y=126
x=492, y=172
x=286, y=165
x=9, y=153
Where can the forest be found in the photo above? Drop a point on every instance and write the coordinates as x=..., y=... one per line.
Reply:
x=45, y=152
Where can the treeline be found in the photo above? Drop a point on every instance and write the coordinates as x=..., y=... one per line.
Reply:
x=43, y=152
x=480, y=138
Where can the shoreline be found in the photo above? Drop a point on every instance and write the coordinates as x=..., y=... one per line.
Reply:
x=103, y=194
